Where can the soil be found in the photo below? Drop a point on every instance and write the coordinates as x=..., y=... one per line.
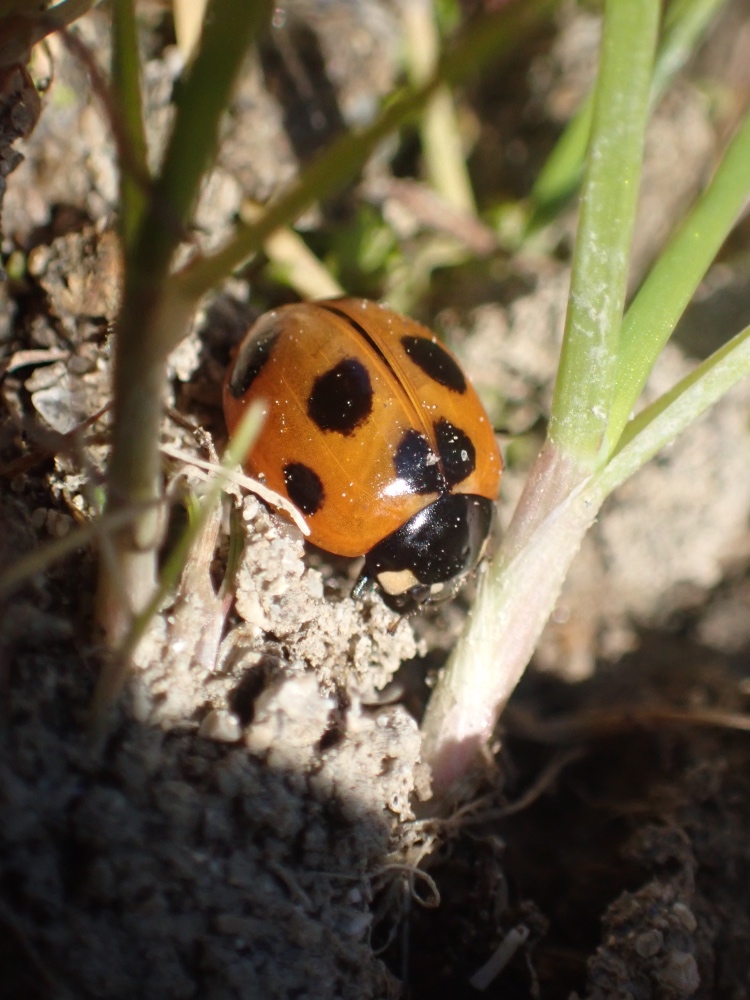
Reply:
x=246, y=825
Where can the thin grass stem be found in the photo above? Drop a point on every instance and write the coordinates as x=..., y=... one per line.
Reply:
x=518, y=590
x=128, y=103
x=588, y=363
x=153, y=319
x=47, y=555
x=664, y=295
x=685, y=24
x=660, y=423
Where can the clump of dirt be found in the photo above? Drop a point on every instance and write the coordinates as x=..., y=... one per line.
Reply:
x=245, y=827
x=630, y=842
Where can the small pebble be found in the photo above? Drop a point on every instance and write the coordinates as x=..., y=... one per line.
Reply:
x=649, y=943
x=686, y=916
x=37, y=261
x=355, y=923
x=680, y=974
x=222, y=726
x=39, y=517
x=80, y=365
x=58, y=525
x=45, y=376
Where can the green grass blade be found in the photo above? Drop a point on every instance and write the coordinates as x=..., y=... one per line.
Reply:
x=126, y=91
x=520, y=587
x=204, y=95
x=661, y=422
x=229, y=28
x=585, y=380
x=667, y=290
x=492, y=36
x=46, y=555
x=686, y=21
x=560, y=176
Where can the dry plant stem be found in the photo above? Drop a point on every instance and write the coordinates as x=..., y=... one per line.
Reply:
x=240, y=479
x=504, y=952
x=116, y=672
x=514, y=600
x=601, y=723
x=23, y=24
x=188, y=21
x=441, y=136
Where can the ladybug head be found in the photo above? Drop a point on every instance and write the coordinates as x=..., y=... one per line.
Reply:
x=429, y=557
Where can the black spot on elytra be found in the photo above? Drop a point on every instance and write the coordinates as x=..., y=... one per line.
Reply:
x=304, y=487
x=341, y=399
x=457, y=452
x=417, y=464
x=435, y=362
x=250, y=361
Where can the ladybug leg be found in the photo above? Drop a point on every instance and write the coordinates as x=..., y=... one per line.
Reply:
x=365, y=584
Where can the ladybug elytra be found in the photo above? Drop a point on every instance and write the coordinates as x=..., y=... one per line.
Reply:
x=374, y=433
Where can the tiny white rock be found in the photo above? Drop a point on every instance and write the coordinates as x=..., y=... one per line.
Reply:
x=221, y=725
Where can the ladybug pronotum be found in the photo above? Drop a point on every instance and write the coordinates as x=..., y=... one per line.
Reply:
x=373, y=431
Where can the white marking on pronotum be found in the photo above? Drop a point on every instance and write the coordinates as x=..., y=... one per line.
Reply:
x=397, y=581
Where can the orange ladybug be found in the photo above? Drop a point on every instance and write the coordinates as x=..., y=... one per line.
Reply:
x=373, y=431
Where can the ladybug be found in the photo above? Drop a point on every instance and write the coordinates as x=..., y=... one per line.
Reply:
x=374, y=433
